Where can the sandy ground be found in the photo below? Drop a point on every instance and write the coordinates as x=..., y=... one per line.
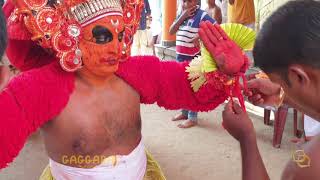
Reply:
x=205, y=152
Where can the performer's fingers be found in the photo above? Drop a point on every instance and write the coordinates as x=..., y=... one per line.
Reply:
x=221, y=31
x=215, y=31
x=202, y=27
x=206, y=26
x=206, y=41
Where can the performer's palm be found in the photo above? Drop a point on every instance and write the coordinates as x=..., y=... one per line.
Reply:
x=228, y=55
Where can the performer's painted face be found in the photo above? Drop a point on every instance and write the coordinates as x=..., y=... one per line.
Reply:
x=102, y=44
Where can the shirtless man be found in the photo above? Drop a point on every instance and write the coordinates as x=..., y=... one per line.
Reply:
x=287, y=49
x=89, y=115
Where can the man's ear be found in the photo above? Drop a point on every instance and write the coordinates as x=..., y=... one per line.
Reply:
x=298, y=76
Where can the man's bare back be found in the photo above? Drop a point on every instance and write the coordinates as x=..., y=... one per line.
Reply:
x=295, y=170
x=96, y=122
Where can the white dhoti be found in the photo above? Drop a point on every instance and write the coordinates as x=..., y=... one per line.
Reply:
x=311, y=126
x=129, y=167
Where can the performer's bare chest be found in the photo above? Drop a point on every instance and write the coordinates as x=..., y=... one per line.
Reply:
x=105, y=122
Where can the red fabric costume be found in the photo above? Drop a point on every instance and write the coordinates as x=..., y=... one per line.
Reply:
x=42, y=90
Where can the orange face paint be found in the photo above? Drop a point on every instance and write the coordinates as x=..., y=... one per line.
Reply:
x=101, y=45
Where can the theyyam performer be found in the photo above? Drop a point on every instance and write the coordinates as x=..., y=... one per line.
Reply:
x=79, y=84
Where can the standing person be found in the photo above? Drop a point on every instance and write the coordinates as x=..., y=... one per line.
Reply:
x=214, y=11
x=140, y=40
x=156, y=23
x=187, y=26
x=287, y=49
x=242, y=12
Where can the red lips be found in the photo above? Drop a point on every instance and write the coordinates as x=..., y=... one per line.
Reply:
x=110, y=61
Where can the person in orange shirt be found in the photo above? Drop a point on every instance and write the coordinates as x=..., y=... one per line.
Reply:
x=242, y=12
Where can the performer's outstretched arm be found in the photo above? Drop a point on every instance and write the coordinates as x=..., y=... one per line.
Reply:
x=166, y=83
x=30, y=99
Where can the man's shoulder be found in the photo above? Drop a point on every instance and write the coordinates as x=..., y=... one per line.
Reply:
x=304, y=162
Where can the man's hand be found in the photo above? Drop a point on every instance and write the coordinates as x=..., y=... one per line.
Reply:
x=262, y=91
x=188, y=12
x=229, y=57
x=237, y=122
x=239, y=125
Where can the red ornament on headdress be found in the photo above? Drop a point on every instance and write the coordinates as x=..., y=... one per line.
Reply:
x=131, y=16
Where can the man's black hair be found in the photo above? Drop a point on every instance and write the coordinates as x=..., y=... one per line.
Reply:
x=291, y=35
x=3, y=34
